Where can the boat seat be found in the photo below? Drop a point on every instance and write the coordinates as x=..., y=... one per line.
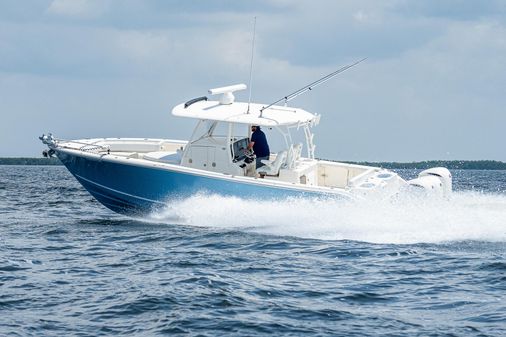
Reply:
x=293, y=155
x=271, y=168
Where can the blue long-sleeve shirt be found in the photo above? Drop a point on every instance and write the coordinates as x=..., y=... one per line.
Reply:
x=261, y=148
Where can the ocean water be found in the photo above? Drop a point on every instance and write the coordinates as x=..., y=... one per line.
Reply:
x=214, y=266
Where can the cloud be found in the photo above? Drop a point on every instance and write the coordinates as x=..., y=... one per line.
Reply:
x=455, y=10
x=142, y=46
x=78, y=8
x=432, y=84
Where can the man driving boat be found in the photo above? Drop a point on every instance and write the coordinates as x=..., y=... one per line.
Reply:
x=259, y=145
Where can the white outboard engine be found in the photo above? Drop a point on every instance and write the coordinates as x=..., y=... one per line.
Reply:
x=437, y=180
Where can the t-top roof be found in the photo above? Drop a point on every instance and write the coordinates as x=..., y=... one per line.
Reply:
x=237, y=113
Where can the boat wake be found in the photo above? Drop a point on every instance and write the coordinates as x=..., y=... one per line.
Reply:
x=466, y=216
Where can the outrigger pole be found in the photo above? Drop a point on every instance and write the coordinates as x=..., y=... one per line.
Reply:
x=310, y=86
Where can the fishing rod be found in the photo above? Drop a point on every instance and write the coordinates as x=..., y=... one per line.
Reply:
x=310, y=86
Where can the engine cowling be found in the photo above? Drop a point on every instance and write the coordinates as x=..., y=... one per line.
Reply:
x=437, y=180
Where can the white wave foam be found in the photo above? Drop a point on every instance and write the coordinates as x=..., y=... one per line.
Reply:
x=467, y=216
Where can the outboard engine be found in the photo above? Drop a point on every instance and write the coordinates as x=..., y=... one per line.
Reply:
x=436, y=180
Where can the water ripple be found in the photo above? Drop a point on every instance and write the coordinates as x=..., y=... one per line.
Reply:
x=70, y=267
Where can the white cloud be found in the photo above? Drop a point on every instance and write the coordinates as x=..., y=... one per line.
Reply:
x=78, y=8
x=143, y=46
x=432, y=83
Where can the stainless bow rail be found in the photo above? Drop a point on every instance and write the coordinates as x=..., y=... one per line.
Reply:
x=54, y=143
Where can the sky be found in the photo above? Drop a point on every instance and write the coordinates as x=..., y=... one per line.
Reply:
x=433, y=85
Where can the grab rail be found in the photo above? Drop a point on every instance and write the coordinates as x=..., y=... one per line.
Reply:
x=54, y=143
x=195, y=100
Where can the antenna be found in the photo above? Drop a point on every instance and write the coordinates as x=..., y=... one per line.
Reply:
x=251, y=64
x=310, y=86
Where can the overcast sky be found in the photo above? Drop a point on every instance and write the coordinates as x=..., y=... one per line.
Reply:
x=433, y=86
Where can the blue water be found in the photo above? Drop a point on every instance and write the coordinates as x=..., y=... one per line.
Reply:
x=213, y=266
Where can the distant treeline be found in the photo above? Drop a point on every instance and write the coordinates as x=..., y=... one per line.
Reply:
x=30, y=161
x=450, y=164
